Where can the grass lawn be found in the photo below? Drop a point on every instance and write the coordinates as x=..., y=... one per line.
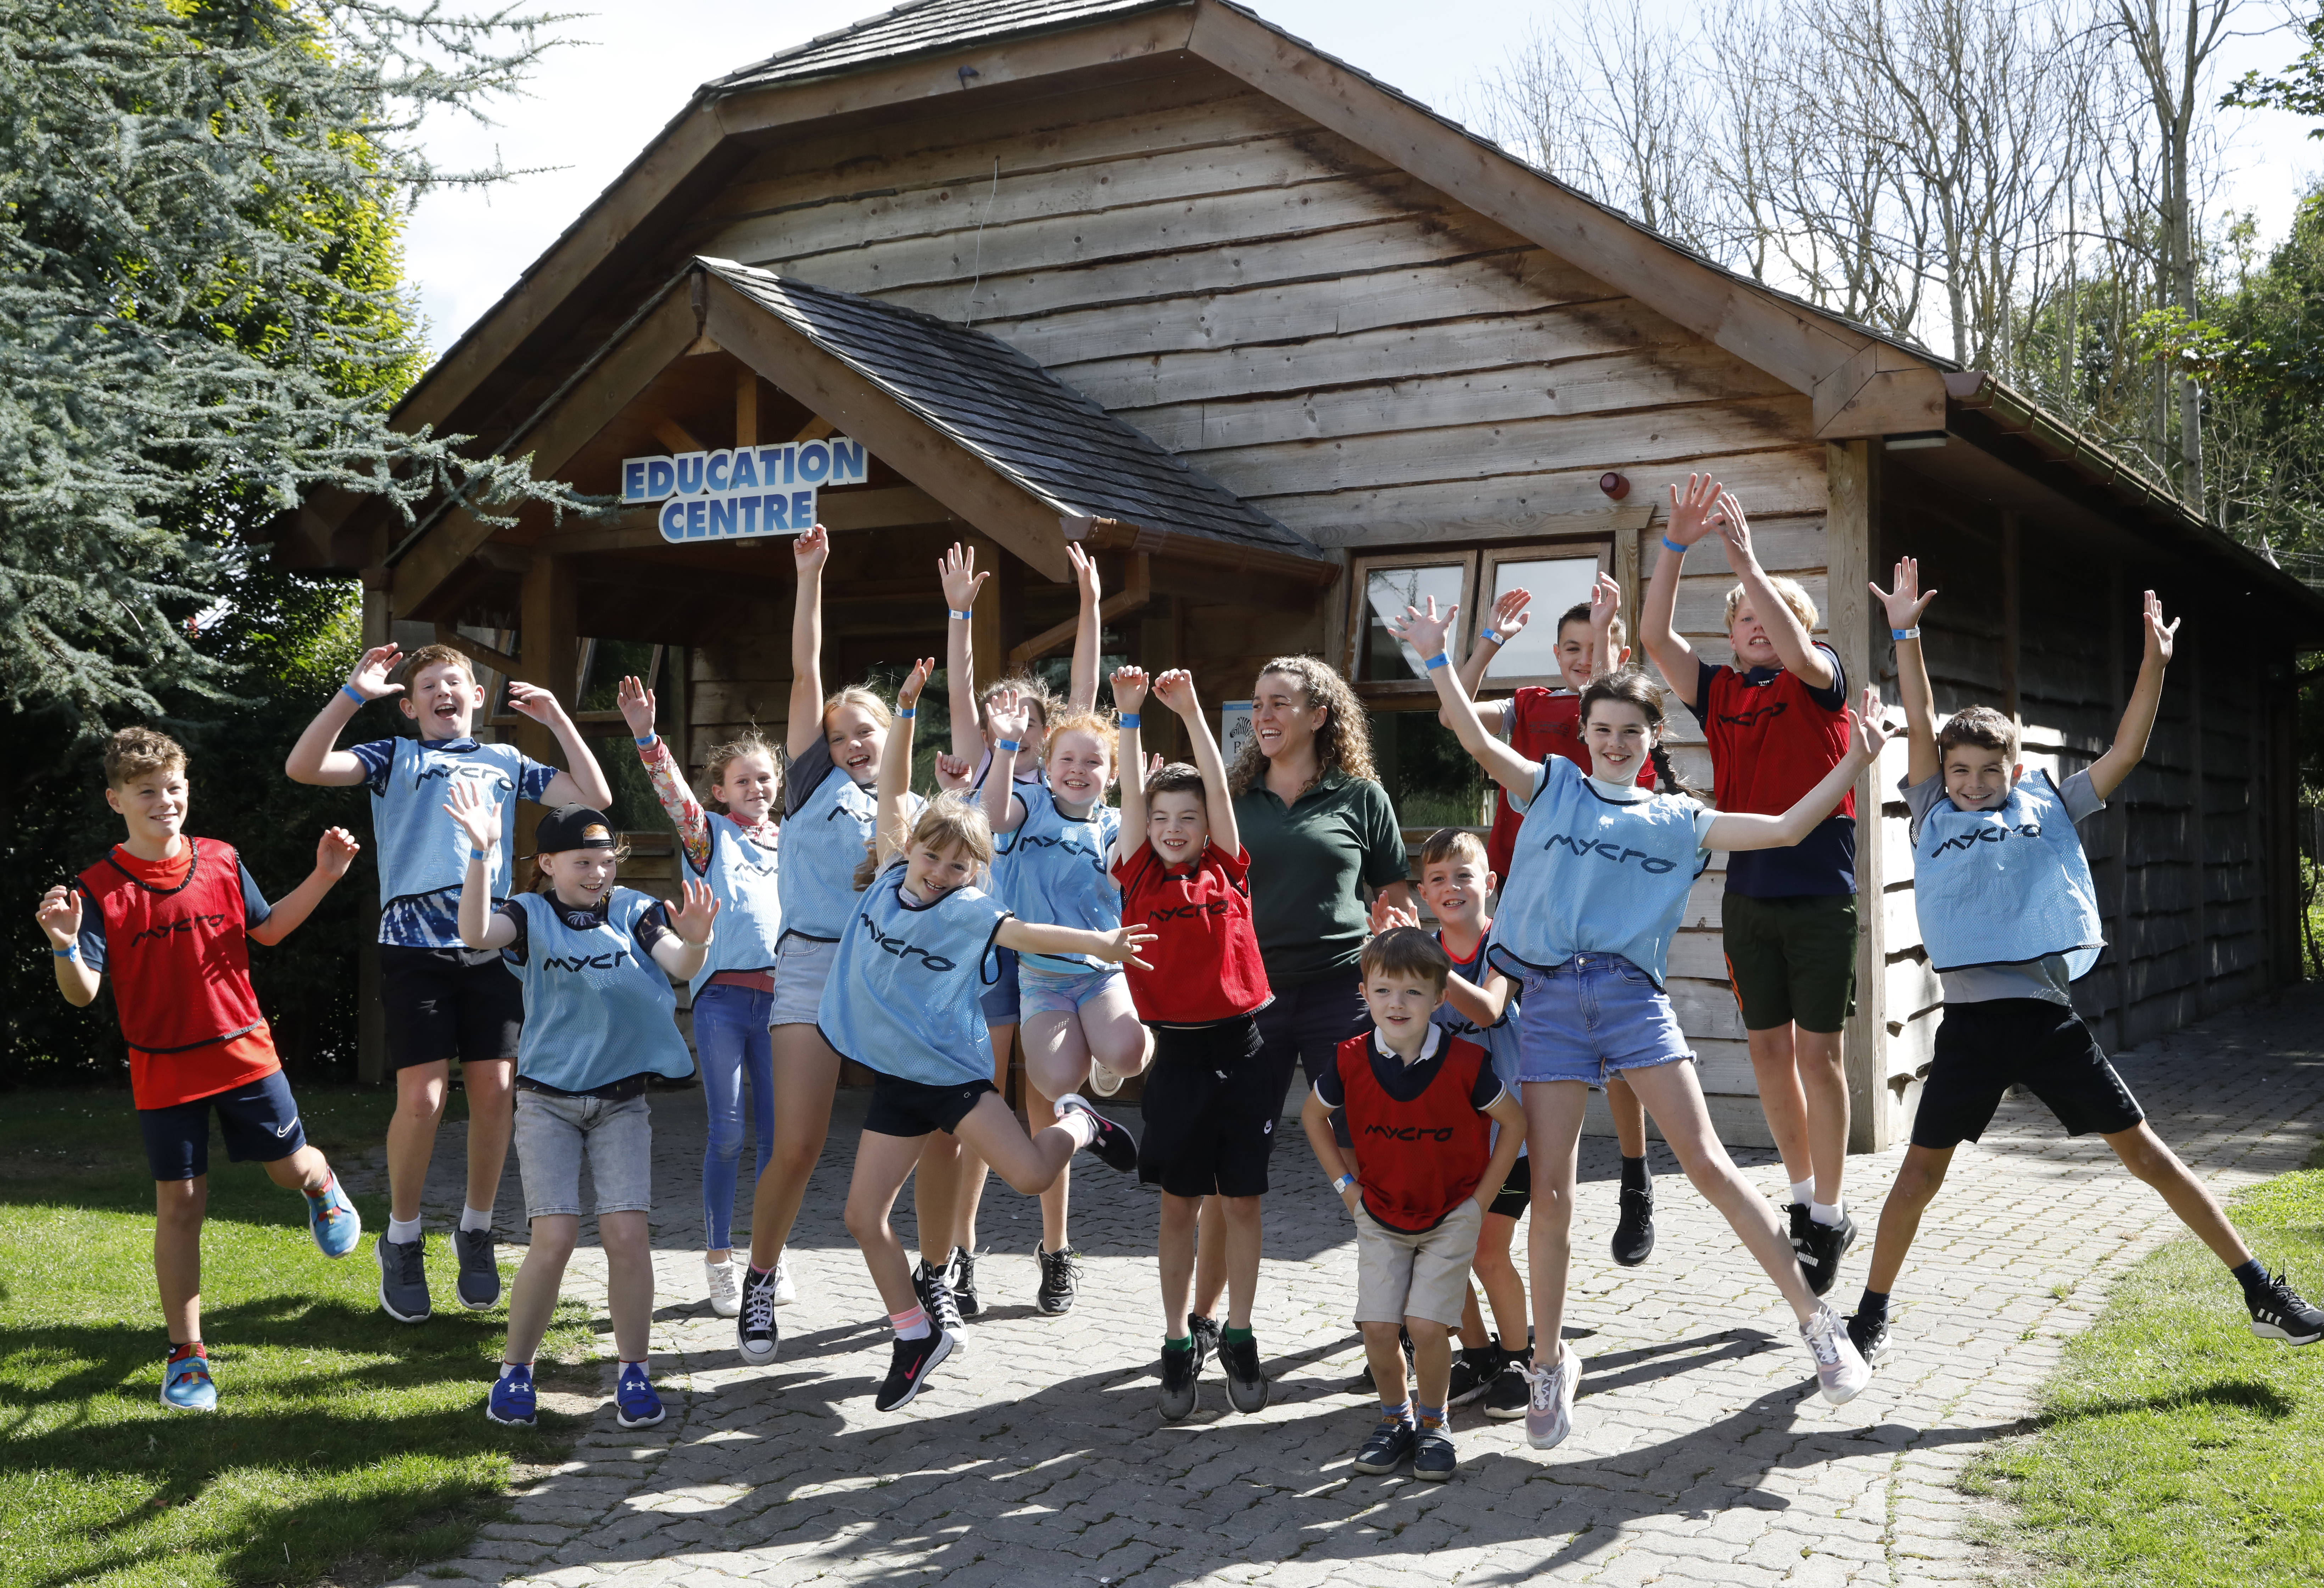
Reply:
x=343, y=1445
x=2175, y=1449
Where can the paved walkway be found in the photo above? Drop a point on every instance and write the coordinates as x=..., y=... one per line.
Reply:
x=1700, y=1455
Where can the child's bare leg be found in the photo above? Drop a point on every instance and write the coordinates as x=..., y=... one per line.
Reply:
x=883, y=1164
x=1432, y=1360
x=1774, y=1066
x=1553, y=1133
x=1383, y=1352
x=1027, y=1165
x=807, y=1075
x=490, y=1086
x=1504, y=1287
x=1823, y=1082
x=2143, y=1152
x=1210, y=1259
x=534, y=1298
x=628, y=1281
x=1629, y=1116
x=1056, y=1061
x=179, y=1206
x=1918, y=1179
x=936, y=1197
x=411, y=1134
x=1116, y=1038
x=1473, y=1319
x=304, y=1170
x=972, y=1167
x=1239, y=1217
x=1176, y=1247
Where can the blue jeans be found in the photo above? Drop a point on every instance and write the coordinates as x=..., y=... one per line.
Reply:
x=1592, y=1016
x=730, y=1037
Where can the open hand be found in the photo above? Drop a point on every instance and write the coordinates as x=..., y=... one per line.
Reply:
x=369, y=678
x=533, y=701
x=1084, y=572
x=1386, y=917
x=691, y=920
x=1731, y=523
x=1006, y=714
x=637, y=704
x=1175, y=690
x=1121, y=947
x=1605, y=604
x=952, y=772
x=1867, y=725
x=336, y=851
x=1128, y=689
x=1424, y=631
x=1906, y=602
x=1694, y=510
x=909, y=692
x=811, y=551
x=1512, y=610
x=478, y=817
x=957, y=569
x=2161, y=638
x=59, y=915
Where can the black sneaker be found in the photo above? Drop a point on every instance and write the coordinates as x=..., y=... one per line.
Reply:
x=1061, y=1278
x=480, y=1276
x=936, y=1298
x=1870, y=1336
x=402, y=1280
x=1204, y=1333
x=1181, y=1382
x=1392, y=1440
x=964, y=1282
x=755, y=1334
x=909, y=1367
x=1247, y=1386
x=1433, y=1459
x=1825, y=1245
x=1634, y=1233
x=1504, y=1397
x=1116, y=1148
x=2278, y=1312
x=1473, y=1372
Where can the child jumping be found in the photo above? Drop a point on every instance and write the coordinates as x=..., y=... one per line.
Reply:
x=732, y=850
x=901, y=999
x=596, y=962
x=443, y=1003
x=1598, y=887
x=2009, y=914
x=1437, y=1134
x=173, y=917
x=1211, y=1107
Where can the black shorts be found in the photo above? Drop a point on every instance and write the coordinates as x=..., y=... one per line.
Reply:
x=258, y=1118
x=1983, y=1049
x=447, y=1003
x=1212, y=1105
x=1515, y=1193
x=914, y=1108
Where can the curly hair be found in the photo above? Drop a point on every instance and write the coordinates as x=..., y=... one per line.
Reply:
x=1102, y=726
x=1342, y=744
x=134, y=753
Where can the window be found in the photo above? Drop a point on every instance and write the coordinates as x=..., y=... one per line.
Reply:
x=1388, y=587
x=1387, y=673
x=1557, y=584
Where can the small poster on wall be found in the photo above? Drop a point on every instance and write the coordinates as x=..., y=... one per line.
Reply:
x=1234, y=728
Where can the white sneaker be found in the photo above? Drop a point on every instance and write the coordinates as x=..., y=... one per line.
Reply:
x=1549, y=1405
x=1839, y=1367
x=1103, y=1080
x=786, y=1292
x=725, y=1294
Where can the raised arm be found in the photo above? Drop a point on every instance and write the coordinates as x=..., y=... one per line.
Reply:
x=2129, y=747
x=1089, y=641
x=809, y=552
x=677, y=801
x=59, y=917
x=315, y=759
x=1507, y=621
x=1904, y=605
x=1793, y=644
x=691, y=915
x=480, y=819
x=895, y=785
x=1740, y=830
x=1175, y=690
x=1691, y=512
x=1010, y=717
x=583, y=780
x=1128, y=695
x=956, y=570
x=1425, y=632
x=334, y=853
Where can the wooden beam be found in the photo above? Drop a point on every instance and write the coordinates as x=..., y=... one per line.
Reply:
x=500, y=662
x=2013, y=594
x=1132, y=596
x=1852, y=530
x=815, y=429
x=746, y=408
x=965, y=483
x=676, y=435
x=547, y=625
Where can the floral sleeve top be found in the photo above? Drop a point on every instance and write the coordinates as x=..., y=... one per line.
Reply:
x=685, y=812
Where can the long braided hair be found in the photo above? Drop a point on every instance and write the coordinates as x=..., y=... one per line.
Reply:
x=1631, y=687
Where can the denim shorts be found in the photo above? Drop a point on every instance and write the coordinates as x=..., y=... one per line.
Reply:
x=1593, y=1015
x=999, y=1000
x=802, y=965
x=1041, y=991
x=554, y=1134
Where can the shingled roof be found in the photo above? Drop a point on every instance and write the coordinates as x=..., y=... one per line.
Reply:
x=992, y=401
x=921, y=27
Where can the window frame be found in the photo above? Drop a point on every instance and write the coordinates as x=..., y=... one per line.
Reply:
x=1478, y=560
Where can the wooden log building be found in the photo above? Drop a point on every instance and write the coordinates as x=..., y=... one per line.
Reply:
x=1284, y=346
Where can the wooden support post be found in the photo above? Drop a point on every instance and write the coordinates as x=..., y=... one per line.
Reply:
x=2013, y=586
x=1157, y=653
x=746, y=407
x=547, y=645
x=988, y=645
x=1852, y=532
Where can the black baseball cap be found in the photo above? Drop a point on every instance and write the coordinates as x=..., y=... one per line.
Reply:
x=575, y=826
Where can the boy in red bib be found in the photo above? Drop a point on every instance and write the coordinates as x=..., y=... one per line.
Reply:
x=1420, y=1104
x=173, y=919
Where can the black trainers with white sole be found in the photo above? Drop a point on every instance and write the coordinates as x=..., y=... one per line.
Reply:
x=1473, y=1372
x=480, y=1275
x=1204, y=1333
x=1116, y=1148
x=2279, y=1313
x=403, y=1280
x=1506, y=1397
x=1633, y=1230
x=1061, y=1281
x=1182, y=1373
x=964, y=1282
x=1870, y=1336
x=755, y=1334
x=935, y=1296
x=1246, y=1386
x=1821, y=1247
x=909, y=1367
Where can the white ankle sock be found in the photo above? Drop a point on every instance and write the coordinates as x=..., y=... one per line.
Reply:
x=403, y=1231
x=1803, y=1191
x=476, y=1218
x=1826, y=1214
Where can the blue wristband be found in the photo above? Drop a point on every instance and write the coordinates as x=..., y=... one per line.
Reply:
x=1674, y=546
x=954, y=612
x=1128, y=719
x=1440, y=658
x=475, y=854
x=1912, y=633
x=1492, y=634
x=69, y=951
x=350, y=691
x=907, y=713
x=647, y=743
x=1010, y=745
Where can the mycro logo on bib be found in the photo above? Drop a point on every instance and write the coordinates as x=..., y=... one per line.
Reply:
x=903, y=950
x=1652, y=864
x=1977, y=836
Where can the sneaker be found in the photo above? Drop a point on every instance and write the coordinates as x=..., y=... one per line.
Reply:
x=1247, y=1386
x=908, y=1369
x=2277, y=1313
x=1474, y=1371
x=402, y=1280
x=1634, y=1233
x=1104, y=1080
x=1181, y=1382
x=1869, y=1336
x=935, y=1297
x=1825, y=1245
x=963, y=1283
x=1204, y=1333
x=785, y=1293
x=755, y=1334
x=1506, y=1397
x=1061, y=1278
x=186, y=1383
x=1116, y=1148
x=480, y=1276
x=1839, y=1366
x=726, y=1290
x=1549, y=1406
x=512, y=1402
x=1392, y=1440
x=332, y=1220
x=635, y=1404
x=1433, y=1459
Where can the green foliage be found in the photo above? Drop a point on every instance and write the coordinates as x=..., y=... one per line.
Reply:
x=2300, y=88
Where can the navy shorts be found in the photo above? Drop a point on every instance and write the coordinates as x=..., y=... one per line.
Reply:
x=447, y=1003
x=258, y=1120
x=914, y=1108
x=1984, y=1049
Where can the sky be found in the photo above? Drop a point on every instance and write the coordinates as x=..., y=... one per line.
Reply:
x=598, y=101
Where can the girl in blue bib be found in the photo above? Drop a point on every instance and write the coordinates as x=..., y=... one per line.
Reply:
x=902, y=1001
x=1596, y=889
x=595, y=962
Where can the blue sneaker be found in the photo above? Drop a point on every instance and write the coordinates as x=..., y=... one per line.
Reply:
x=334, y=1222
x=512, y=1398
x=186, y=1385
x=635, y=1404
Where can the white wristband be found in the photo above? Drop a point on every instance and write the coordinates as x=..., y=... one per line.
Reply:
x=1339, y=1186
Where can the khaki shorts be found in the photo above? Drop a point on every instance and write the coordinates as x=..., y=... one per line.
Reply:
x=1425, y=1276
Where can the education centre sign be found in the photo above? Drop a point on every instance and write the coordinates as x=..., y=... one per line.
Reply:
x=741, y=491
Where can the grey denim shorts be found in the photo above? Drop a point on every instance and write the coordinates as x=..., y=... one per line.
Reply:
x=554, y=1134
